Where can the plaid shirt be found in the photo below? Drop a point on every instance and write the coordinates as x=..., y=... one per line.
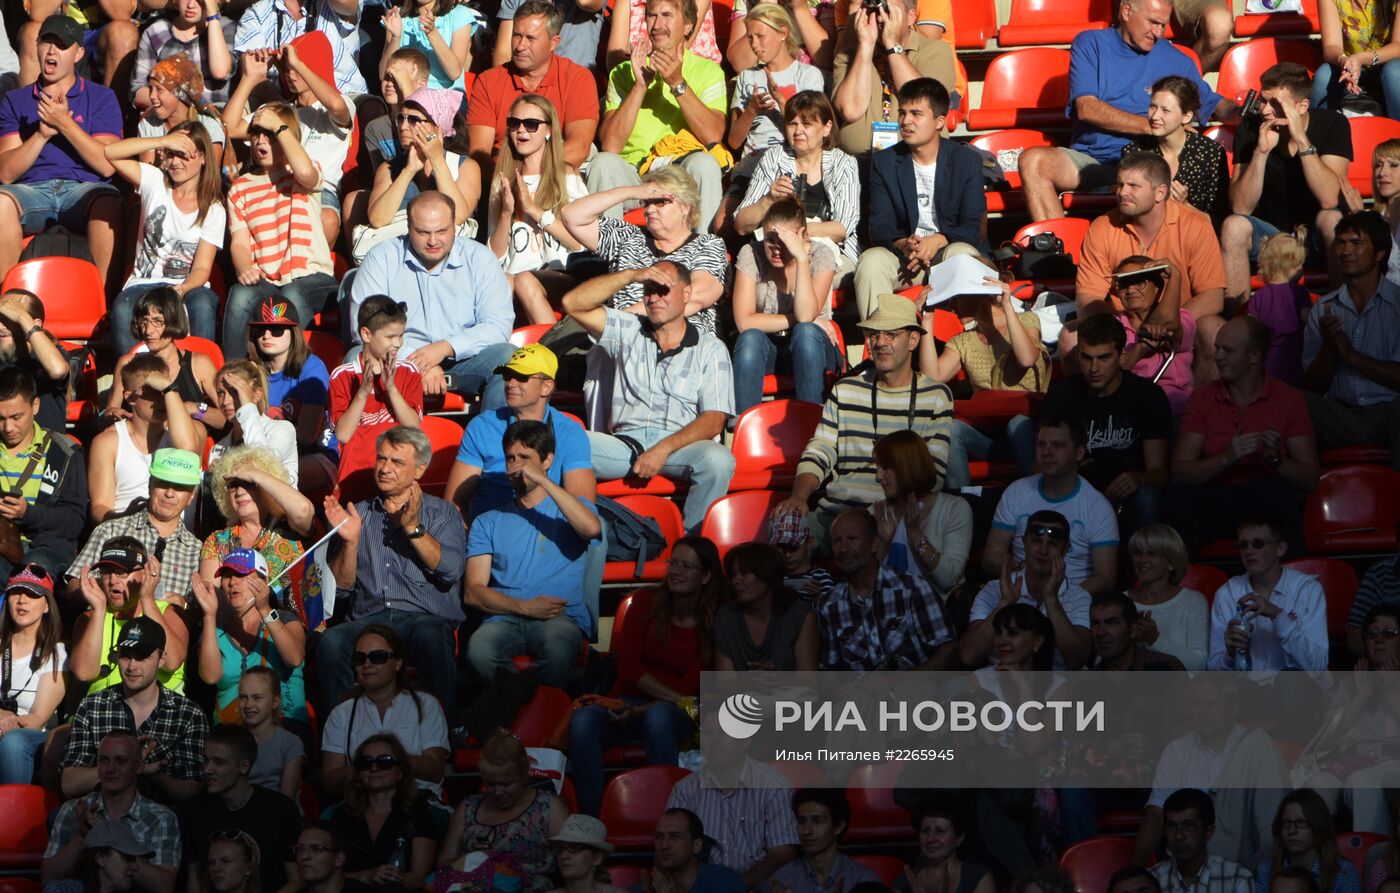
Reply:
x=1218, y=875
x=177, y=725
x=154, y=825
x=178, y=562
x=899, y=628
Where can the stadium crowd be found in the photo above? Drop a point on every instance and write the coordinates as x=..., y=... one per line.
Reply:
x=261, y=631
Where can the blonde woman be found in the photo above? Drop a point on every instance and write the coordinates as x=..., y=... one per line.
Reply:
x=1171, y=619
x=532, y=183
x=241, y=387
x=252, y=491
x=762, y=90
x=1385, y=186
x=276, y=238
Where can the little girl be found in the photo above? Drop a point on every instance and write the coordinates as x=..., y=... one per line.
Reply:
x=1282, y=304
x=280, y=753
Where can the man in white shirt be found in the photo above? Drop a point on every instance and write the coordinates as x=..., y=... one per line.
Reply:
x=1092, y=560
x=1189, y=822
x=1273, y=614
x=1041, y=583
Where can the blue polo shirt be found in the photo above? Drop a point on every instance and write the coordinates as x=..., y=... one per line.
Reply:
x=1104, y=65
x=95, y=109
x=534, y=552
x=481, y=446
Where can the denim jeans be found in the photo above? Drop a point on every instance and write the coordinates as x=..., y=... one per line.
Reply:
x=1381, y=83
x=553, y=643
x=430, y=645
x=201, y=304
x=67, y=203
x=1021, y=432
x=968, y=443
x=591, y=731
x=19, y=753
x=477, y=375
x=308, y=293
x=706, y=464
x=807, y=352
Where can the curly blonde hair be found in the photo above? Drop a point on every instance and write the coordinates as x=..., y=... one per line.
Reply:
x=261, y=458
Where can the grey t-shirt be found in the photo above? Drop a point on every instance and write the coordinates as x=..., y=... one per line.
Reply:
x=779, y=645
x=282, y=748
x=578, y=41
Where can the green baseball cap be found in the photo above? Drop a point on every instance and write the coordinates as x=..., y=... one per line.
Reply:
x=174, y=466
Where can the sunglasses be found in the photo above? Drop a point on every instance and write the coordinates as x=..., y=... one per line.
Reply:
x=277, y=331
x=530, y=124
x=35, y=569
x=378, y=657
x=658, y=202
x=255, y=132
x=1388, y=633
x=1047, y=531
x=512, y=375
x=383, y=762
x=1256, y=543
x=402, y=310
x=233, y=834
x=411, y=119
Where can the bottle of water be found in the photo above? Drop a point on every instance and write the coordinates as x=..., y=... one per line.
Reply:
x=1245, y=618
x=399, y=858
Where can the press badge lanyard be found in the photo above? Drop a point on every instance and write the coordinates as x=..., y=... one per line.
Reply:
x=884, y=133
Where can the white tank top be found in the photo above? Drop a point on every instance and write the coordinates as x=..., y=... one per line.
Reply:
x=133, y=467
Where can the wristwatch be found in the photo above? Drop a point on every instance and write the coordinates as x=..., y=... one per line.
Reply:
x=547, y=219
x=1310, y=150
x=272, y=616
x=678, y=90
x=170, y=388
x=896, y=50
x=416, y=533
x=33, y=330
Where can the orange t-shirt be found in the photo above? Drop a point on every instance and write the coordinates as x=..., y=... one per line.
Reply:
x=571, y=87
x=1186, y=238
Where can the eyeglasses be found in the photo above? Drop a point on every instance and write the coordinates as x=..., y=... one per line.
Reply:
x=277, y=331
x=150, y=322
x=1294, y=824
x=378, y=657
x=1389, y=632
x=530, y=124
x=883, y=336
x=383, y=762
x=685, y=566
x=411, y=119
x=572, y=848
x=657, y=202
x=311, y=849
x=1256, y=543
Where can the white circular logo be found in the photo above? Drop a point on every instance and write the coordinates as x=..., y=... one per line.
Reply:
x=740, y=716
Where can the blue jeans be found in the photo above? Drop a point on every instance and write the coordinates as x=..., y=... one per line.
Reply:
x=477, y=375
x=706, y=464
x=309, y=293
x=1021, y=432
x=968, y=443
x=202, y=305
x=553, y=643
x=1381, y=83
x=591, y=731
x=67, y=203
x=430, y=645
x=807, y=352
x=19, y=752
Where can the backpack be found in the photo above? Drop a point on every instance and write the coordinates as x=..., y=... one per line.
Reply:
x=630, y=536
x=57, y=242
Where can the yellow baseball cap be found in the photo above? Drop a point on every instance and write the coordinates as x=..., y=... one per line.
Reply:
x=532, y=359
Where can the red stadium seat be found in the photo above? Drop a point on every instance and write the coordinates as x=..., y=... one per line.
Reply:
x=19, y=885
x=768, y=440
x=1355, y=509
x=1090, y=863
x=534, y=725
x=738, y=518
x=446, y=436
x=1007, y=146
x=23, y=830
x=634, y=800
x=627, y=875
x=327, y=347
x=1037, y=22
x=1338, y=581
x=1025, y=88
x=1366, y=134
x=783, y=385
x=991, y=410
x=1223, y=134
x=976, y=23
x=875, y=817
x=1245, y=62
x=83, y=407
x=1354, y=844
x=1205, y=579
x=887, y=868
x=620, y=616
x=668, y=518
x=1371, y=454
x=309, y=801
x=1121, y=821
x=530, y=334
x=1071, y=231
x=195, y=344
x=72, y=291
x=1280, y=24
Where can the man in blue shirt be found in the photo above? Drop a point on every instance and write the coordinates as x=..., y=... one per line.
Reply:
x=678, y=841
x=460, y=309
x=53, y=165
x=525, y=565
x=1111, y=72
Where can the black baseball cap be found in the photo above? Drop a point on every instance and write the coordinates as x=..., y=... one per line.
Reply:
x=125, y=553
x=62, y=30
x=141, y=637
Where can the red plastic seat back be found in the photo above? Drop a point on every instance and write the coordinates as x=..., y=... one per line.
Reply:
x=530, y=334
x=1016, y=138
x=535, y=722
x=74, y=297
x=875, y=817
x=1245, y=62
x=634, y=800
x=738, y=518
x=1037, y=77
x=619, y=616
x=1090, y=863
x=1338, y=582
x=773, y=435
x=1071, y=231
x=1366, y=134
x=24, y=809
x=446, y=437
x=1355, y=509
x=327, y=347
x=1205, y=579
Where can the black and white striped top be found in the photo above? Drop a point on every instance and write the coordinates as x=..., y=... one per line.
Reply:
x=626, y=246
x=839, y=177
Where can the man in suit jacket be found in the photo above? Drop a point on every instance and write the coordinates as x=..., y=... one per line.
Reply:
x=926, y=199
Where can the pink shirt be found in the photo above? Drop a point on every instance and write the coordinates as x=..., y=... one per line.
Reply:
x=1177, y=380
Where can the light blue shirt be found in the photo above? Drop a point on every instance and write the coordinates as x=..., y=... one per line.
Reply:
x=1372, y=332
x=465, y=300
x=481, y=446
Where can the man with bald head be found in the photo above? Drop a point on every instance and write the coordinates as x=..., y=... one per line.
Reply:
x=1246, y=445
x=915, y=633
x=459, y=306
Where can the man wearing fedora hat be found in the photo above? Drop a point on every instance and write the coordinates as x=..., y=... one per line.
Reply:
x=887, y=396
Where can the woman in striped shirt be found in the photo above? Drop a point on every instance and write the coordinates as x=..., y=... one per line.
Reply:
x=277, y=241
